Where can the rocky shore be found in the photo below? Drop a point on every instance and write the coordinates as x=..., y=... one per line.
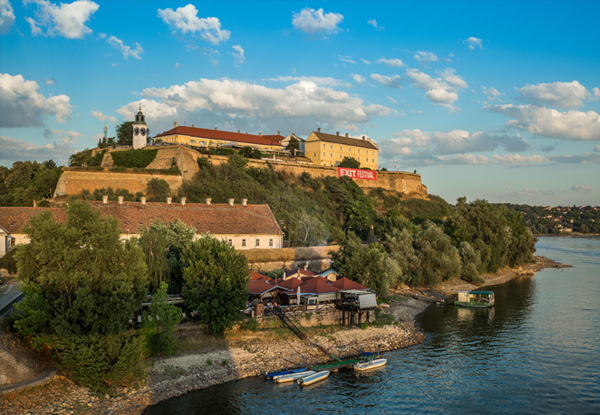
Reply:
x=249, y=355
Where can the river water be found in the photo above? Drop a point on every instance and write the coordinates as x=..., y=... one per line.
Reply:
x=537, y=351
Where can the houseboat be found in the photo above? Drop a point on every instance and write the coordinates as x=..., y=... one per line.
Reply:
x=475, y=299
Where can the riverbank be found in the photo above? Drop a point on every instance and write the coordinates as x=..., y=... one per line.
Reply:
x=245, y=354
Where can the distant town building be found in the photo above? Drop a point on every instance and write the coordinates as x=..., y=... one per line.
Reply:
x=207, y=138
x=330, y=149
x=242, y=226
x=140, y=130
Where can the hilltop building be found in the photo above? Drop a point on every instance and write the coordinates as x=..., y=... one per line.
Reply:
x=140, y=130
x=242, y=226
x=203, y=137
x=330, y=149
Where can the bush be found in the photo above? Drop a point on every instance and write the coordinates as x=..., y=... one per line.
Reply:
x=134, y=158
x=157, y=190
x=158, y=326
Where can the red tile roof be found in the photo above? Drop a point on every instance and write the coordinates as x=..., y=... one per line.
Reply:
x=299, y=273
x=266, y=140
x=218, y=219
x=255, y=276
x=347, y=284
x=259, y=287
x=318, y=285
x=290, y=284
x=349, y=141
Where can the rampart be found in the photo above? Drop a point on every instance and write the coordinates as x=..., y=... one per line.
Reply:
x=73, y=181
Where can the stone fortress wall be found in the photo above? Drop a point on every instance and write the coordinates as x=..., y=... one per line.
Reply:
x=73, y=181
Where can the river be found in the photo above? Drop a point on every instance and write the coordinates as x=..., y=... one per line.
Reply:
x=537, y=351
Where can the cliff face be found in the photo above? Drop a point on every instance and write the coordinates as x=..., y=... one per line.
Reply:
x=72, y=182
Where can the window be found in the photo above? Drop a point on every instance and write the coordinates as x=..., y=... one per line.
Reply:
x=359, y=151
x=230, y=242
x=330, y=154
x=243, y=242
x=257, y=243
x=340, y=148
x=358, y=158
x=332, y=146
x=270, y=242
x=323, y=154
x=323, y=145
x=314, y=154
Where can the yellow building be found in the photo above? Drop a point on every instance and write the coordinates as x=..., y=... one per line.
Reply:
x=203, y=137
x=330, y=149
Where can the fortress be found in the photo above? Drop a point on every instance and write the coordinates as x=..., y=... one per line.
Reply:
x=74, y=180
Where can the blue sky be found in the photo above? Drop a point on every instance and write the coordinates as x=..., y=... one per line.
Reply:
x=493, y=100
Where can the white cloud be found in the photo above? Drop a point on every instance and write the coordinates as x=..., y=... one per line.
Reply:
x=580, y=188
x=305, y=101
x=471, y=159
x=366, y=62
x=547, y=122
x=66, y=20
x=315, y=22
x=238, y=54
x=177, y=65
x=358, y=78
x=520, y=159
x=392, y=62
x=432, y=143
x=186, y=20
x=393, y=81
x=558, y=94
x=59, y=149
x=21, y=105
x=473, y=43
x=374, y=23
x=441, y=91
x=100, y=116
x=492, y=93
x=7, y=16
x=426, y=57
x=346, y=59
x=316, y=79
x=124, y=49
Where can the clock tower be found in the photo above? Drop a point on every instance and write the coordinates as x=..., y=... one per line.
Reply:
x=140, y=130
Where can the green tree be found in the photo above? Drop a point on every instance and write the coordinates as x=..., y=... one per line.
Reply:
x=293, y=146
x=82, y=285
x=159, y=322
x=157, y=190
x=439, y=260
x=163, y=244
x=215, y=282
x=359, y=216
x=125, y=133
x=350, y=162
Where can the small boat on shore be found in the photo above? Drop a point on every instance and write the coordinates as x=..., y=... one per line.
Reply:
x=271, y=375
x=475, y=299
x=370, y=364
x=293, y=376
x=317, y=377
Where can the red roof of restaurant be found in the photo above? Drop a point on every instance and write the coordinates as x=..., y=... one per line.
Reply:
x=290, y=284
x=258, y=287
x=255, y=276
x=318, y=285
x=302, y=273
x=347, y=284
x=266, y=140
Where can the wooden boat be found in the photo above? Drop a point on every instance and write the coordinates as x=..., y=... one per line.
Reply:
x=309, y=380
x=293, y=376
x=475, y=299
x=371, y=364
x=271, y=375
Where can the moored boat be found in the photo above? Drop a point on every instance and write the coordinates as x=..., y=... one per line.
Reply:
x=475, y=299
x=371, y=364
x=271, y=375
x=309, y=380
x=293, y=376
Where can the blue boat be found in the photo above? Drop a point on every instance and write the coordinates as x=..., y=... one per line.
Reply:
x=271, y=375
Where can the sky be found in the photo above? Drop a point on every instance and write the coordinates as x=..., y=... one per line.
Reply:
x=488, y=100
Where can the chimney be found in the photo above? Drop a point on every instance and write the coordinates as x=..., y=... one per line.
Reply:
x=183, y=199
x=193, y=125
x=244, y=202
x=260, y=134
x=319, y=129
x=216, y=128
x=238, y=131
x=230, y=201
x=337, y=133
x=169, y=200
x=34, y=204
x=346, y=135
x=364, y=137
x=143, y=200
x=175, y=124
x=120, y=200
x=278, y=132
x=105, y=199
x=208, y=199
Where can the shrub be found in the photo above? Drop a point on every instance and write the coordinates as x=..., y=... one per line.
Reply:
x=134, y=158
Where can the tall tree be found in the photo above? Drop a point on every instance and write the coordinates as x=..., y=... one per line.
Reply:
x=293, y=146
x=125, y=133
x=215, y=282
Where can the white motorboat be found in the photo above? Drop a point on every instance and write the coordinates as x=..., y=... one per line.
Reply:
x=309, y=380
x=293, y=376
x=370, y=364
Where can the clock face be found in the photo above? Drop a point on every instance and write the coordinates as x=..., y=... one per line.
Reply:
x=136, y=130
x=142, y=131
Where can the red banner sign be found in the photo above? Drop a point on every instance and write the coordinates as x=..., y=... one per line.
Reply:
x=357, y=174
